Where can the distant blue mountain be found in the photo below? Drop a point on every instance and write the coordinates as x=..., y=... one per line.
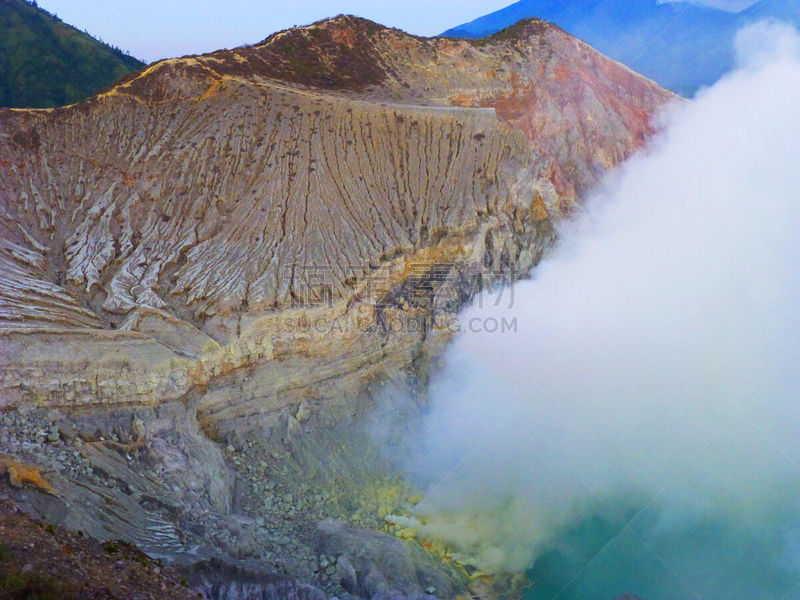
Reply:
x=681, y=45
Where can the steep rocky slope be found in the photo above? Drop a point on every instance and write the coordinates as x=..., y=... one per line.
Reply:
x=211, y=273
x=38, y=560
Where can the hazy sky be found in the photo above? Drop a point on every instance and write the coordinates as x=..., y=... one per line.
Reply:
x=727, y=4
x=153, y=29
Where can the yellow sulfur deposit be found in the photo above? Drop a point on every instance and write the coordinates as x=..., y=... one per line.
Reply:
x=20, y=474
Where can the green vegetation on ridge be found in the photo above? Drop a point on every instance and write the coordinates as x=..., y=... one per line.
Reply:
x=45, y=62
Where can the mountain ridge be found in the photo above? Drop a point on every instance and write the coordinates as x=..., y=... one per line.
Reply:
x=202, y=79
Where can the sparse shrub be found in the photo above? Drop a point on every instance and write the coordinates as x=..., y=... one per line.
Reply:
x=16, y=585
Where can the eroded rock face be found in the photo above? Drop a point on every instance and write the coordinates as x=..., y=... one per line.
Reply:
x=213, y=269
x=152, y=234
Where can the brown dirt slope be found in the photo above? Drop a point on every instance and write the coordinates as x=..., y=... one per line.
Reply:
x=38, y=560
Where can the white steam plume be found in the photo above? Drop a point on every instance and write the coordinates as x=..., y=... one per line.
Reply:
x=658, y=348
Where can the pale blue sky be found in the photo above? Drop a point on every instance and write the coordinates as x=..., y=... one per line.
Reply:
x=153, y=29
